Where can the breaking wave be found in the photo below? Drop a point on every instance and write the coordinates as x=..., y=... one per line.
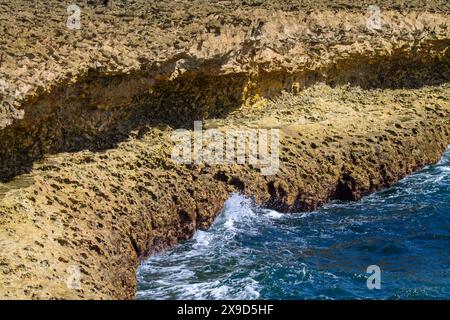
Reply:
x=253, y=253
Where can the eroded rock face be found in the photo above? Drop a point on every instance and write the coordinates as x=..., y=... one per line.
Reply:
x=87, y=116
x=65, y=89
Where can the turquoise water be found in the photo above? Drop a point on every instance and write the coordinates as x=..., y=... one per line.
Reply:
x=252, y=253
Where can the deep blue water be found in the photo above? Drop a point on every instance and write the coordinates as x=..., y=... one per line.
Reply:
x=252, y=253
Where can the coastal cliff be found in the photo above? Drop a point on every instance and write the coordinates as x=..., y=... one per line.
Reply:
x=87, y=115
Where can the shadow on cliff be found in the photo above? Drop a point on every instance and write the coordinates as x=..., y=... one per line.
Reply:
x=97, y=113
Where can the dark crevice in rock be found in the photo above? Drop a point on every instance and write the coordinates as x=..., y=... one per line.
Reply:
x=344, y=188
x=238, y=183
x=135, y=246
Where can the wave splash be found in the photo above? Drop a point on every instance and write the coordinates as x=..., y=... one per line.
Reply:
x=253, y=253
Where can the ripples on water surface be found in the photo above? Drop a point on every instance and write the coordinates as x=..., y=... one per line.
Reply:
x=252, y=253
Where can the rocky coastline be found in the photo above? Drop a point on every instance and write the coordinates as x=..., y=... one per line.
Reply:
x=86, y=119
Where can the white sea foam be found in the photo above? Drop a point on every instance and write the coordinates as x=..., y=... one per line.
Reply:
x=274, y=214
x=233, y=259
x=202, y=239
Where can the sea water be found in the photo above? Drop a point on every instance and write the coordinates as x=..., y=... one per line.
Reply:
x=254, y=253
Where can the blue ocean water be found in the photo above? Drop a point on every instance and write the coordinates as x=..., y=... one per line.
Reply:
x=252, y=253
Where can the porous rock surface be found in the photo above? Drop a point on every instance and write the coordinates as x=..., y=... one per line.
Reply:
x=86, y=119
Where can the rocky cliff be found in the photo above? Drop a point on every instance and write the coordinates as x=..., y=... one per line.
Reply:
x=87, y=116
